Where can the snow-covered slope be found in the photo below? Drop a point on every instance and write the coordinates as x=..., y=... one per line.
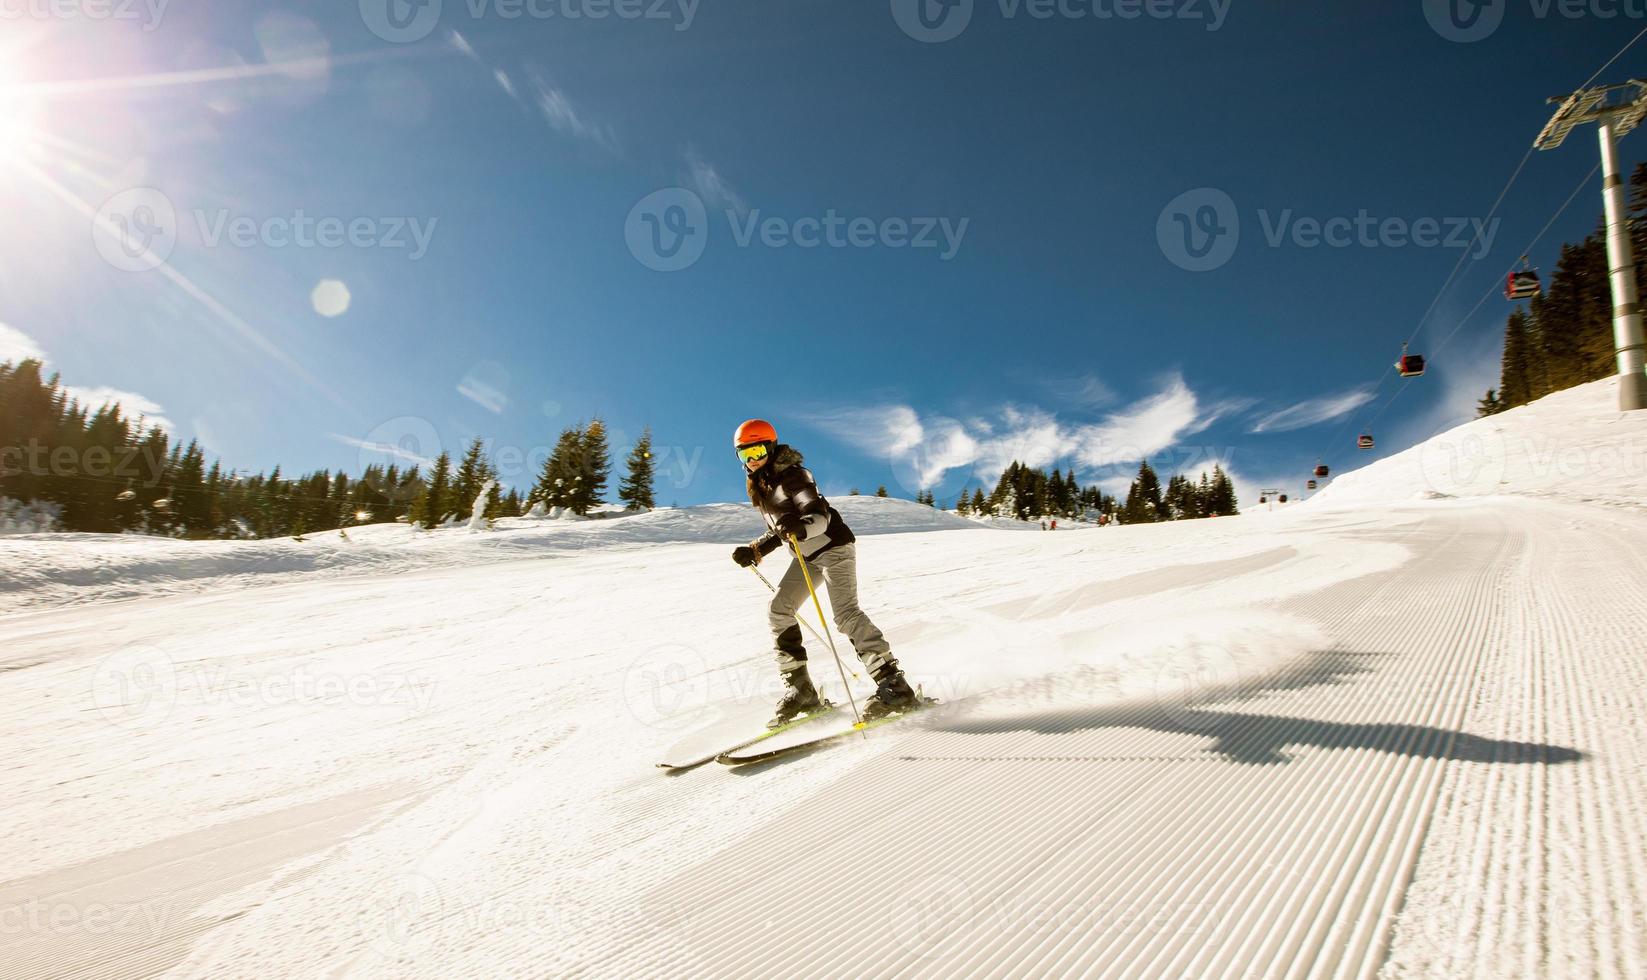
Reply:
x=47, y=569
x=1572, y=445
x=1329, y=740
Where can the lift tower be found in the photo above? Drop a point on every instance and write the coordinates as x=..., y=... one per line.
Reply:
x=1615, y=109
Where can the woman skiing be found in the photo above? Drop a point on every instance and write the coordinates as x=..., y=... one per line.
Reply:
x=788, y=499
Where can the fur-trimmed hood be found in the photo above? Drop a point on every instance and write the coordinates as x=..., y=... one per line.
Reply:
x=783, y=457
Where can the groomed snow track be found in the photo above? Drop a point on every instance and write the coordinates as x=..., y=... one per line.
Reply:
x=1453, y=788
x=1412, y=747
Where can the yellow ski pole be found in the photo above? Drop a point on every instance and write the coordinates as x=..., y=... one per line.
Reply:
x=798, y=618
x=796, y=547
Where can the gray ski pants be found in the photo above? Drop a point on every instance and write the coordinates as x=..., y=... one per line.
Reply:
x=837, y=569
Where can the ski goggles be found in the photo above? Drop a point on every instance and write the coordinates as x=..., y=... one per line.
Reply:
x=750, y=454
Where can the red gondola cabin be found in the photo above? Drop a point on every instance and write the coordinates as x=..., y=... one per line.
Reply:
x=1522, y=285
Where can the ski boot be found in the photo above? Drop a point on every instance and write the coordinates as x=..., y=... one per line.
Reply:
x=893, y=694
x=799, y=698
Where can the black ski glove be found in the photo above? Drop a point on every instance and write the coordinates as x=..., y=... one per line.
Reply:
x=744, y=556
x=791, y=524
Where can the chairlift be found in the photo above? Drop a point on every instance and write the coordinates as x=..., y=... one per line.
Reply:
x=1310, y=485
x=1263, y=500
x=164, y=503
x=126, y=495
x=1321, y=471
x=1364, y=442
x=1282, y=498
x=1522, y=283
x=1410, y=365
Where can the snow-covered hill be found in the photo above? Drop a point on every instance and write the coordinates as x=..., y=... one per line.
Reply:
x=52, y=569
x=1383, y=733
x=1572, y=445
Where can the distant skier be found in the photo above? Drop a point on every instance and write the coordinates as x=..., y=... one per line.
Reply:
x=788, y=499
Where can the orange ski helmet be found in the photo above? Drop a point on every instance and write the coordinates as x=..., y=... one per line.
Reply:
x=753, y=431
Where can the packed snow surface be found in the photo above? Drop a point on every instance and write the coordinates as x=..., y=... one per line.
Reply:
x=1388, y=731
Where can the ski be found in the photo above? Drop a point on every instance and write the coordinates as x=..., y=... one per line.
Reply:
x=756, y=752
x=701, y=757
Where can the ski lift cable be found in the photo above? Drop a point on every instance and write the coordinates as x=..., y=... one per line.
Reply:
x=1493, y=289
x=1614, y=58
x=1493, y=211
x=1384, y=375
x=1464, y=255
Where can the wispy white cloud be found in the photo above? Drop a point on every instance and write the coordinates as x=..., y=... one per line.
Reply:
x=486, y=383
x=15, y=345
x=386, y=448
x=506, y=83
x=131, y=404
x=715, y=190
x=934, y=445
x=891, y=429
x=564, y=118
x=1086, y=391
x=1314, y=411
x=483, y=394
x=1145, y=428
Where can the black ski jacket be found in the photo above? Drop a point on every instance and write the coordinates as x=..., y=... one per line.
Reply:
x=785, y=486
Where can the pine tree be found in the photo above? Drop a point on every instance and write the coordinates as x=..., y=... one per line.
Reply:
x=880, y=491
x=595, y=467
x=558, y=480
x=1488, y=405
x=961, y=503
x=636, y=490
x=1144, y=504
x=1223, y=502
x=472, y=474
x=979, y=505
x=438, y=495
x=1515, y=382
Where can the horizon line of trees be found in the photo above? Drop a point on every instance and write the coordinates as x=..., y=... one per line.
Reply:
x=1564, y=337
x=1030, y=494
x=103, y=471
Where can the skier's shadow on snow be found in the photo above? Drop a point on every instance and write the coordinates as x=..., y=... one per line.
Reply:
x=1257, y=738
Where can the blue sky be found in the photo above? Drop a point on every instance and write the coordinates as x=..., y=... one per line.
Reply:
x=997, y=268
